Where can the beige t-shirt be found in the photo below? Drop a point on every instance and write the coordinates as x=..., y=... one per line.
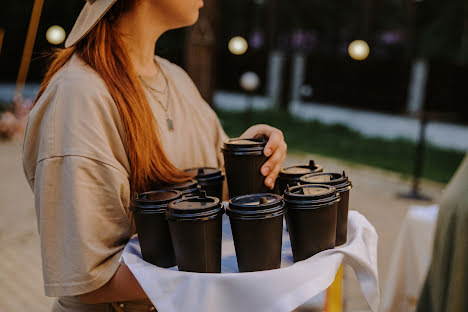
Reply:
x=75, y=160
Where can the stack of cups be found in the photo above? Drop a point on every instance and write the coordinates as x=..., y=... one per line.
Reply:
x=342, y=185
x=291, y=175
x=243, y=160
x=153, y=232
x=188, y=188
x=210, y=180
x=257, y=229
x=195, y=224
x=311, y=219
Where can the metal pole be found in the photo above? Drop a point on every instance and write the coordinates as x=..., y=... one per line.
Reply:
x=418, y=161
x=419, y=153
x=27, y=51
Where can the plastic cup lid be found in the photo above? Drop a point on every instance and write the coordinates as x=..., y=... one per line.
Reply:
x=314, y=194
x=190, y=184
x=301, y=170
x=340, y=181
x=256, y=202
x=245, y=144
x=155, y=199
x=314, y=191
x=158, y=196
x=195, y=206
x=295, y=170
x=319, y=178
x=205, y=173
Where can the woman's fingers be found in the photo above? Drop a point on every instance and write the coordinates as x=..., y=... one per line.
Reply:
x=272, y=167
x=256, y=131
x=275, y=149
x=275, y=139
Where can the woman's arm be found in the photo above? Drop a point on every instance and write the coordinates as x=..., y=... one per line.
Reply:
x=123, y=286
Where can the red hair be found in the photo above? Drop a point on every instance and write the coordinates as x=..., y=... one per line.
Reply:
x=103, y=50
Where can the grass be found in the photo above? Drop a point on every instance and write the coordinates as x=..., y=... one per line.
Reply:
x=341, y=142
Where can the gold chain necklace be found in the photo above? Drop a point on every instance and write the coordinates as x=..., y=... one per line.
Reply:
x=169, y=121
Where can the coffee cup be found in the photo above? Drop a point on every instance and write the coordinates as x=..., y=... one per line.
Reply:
x=152, y=228
x=195, y=224
x=257, y=228
x=311, y=219
x=343, y=185
x=291, y=175
x=210, y=179
x=243, y=160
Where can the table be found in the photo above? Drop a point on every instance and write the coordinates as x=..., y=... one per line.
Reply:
x=275, y=290
x=411, y=259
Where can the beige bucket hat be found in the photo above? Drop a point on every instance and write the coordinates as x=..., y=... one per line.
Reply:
x=91, y=14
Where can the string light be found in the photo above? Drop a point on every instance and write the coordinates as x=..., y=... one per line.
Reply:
x=358, y=50
x=238, y=45
x=55, y=35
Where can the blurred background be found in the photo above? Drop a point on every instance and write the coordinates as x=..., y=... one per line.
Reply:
x=375, y=87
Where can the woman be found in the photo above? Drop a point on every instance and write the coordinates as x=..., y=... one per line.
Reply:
x=110, y=118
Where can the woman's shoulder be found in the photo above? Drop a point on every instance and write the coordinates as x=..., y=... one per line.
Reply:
x=76, y=89
x=77, y=76
x=75, y=115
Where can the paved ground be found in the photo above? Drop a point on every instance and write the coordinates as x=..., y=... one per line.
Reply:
x=374, y=195
x=20, y=271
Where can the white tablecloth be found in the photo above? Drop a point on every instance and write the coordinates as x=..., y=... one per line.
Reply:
x=410, y=260
x=275, y=290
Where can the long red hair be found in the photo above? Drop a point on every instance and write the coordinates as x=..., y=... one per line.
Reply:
x=103, y=50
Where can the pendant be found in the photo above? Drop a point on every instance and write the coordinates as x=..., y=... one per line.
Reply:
x=170, y=124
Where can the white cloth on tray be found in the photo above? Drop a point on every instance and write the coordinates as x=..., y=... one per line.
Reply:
x=278, y=290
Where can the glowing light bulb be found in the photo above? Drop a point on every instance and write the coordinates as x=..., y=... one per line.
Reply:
x=249, y=81
x=55, y=35
x=358, y=50
x=238, y=45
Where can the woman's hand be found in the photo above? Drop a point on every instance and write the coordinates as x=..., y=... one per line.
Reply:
x=275, y=149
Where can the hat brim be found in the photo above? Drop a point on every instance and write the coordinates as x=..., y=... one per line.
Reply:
x=90, y=15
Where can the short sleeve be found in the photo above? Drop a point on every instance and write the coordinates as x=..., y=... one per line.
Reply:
x=81, y=205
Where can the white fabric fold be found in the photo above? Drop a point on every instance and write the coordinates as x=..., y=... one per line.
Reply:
x=275, y=290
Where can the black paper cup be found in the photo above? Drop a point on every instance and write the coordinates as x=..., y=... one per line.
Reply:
x=243, y=159
x=152, y=228
x=291, y=175
x=257, y=229
x=343, y=185
x=195, y=224
x=311, y=218
x=210, y=179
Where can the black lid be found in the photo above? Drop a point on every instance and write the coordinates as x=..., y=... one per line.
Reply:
x=184, y=187
x=311, y=194
x=155, y=200
x=338, y=180
x=203, y=174
x=254, y=145
x=194, y=207
x=256, y=204
x=298, y=171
